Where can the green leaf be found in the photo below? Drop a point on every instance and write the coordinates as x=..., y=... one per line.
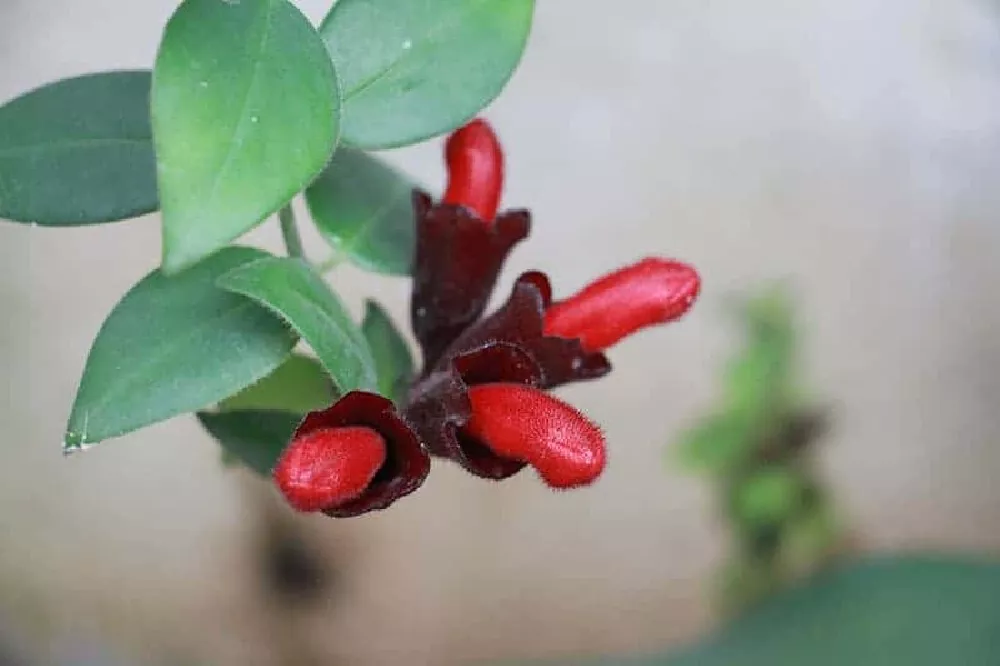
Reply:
x=245, y=114
x=299, y=385
x=393, y=362
x=295, y=291
x=759, y=381
x=769, y=496
x=364, y=209
x=255, y=437
x=413, y=69
x=914, y=611
x=909, y=612
x=717, y=444
x=174, y=345
x=78, y=151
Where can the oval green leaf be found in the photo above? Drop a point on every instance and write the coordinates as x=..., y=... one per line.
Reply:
x=393, y=362
x=174, y=345
x=912, y=611
x=299, y=385
x=412, y=70
x=364, y=209
x=245, y=106
x=78, y=151
x=291, y=288
x=254, y=437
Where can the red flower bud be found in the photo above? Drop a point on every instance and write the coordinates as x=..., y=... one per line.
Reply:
x=523, y=423
x=475, y=169
x=653, y=291
x=329, y=466
x=355, y=456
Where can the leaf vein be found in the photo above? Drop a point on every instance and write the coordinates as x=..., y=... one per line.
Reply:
x=243, y=122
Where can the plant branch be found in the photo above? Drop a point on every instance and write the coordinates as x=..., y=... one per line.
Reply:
x=290, y=232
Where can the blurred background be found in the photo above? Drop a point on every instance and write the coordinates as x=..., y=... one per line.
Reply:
x=849, y=148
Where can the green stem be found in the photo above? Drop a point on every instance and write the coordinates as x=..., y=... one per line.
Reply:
x=290, y=232
x=334, y=260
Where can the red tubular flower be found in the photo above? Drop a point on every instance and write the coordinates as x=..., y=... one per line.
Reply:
x=439, y=406
x=523, y=423
x=461, y=243
x=356, y=456
x=329, y=467
x=653, y=291
x=475, y=169
x=480, y=398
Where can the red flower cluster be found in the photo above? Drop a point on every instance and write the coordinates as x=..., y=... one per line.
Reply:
x=481, y=398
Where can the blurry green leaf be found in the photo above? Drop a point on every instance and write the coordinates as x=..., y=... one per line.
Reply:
x=769, y=496
x=717, y=444
x=809, y=538
x=256, y=438
x=364, y=210
x=910, y=612
x=78, y=151
x=413, y=69
x=245, y=110
x=393, y=361
x=299, y=385
x=885, y=612
x=770, y=312
x=295, y=291
x=174, y=345
x=759, y=380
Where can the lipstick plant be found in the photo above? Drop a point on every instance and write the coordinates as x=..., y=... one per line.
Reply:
x=248, y=106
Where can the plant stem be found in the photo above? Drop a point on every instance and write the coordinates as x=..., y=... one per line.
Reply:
x=334, y=260
x=290, y=232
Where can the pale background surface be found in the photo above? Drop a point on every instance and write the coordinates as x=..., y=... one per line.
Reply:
x=852, y=146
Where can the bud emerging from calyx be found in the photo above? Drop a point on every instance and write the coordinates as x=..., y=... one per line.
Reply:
x=475, y=169
x=523, y=423
x=329, y=467
x=653, y=291
x=355, y=456
x=462, y=242
x=480, y=397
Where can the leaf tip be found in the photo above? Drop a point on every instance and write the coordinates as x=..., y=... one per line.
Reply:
x=174, y=261
x=75, y=442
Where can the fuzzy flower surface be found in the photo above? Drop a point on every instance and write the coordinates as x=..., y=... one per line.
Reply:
x=482, y=397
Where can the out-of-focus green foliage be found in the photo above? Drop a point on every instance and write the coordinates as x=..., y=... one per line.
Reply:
x=753, y=447
x=886, y=612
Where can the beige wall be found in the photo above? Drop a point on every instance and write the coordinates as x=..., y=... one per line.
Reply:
x=849, y=145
